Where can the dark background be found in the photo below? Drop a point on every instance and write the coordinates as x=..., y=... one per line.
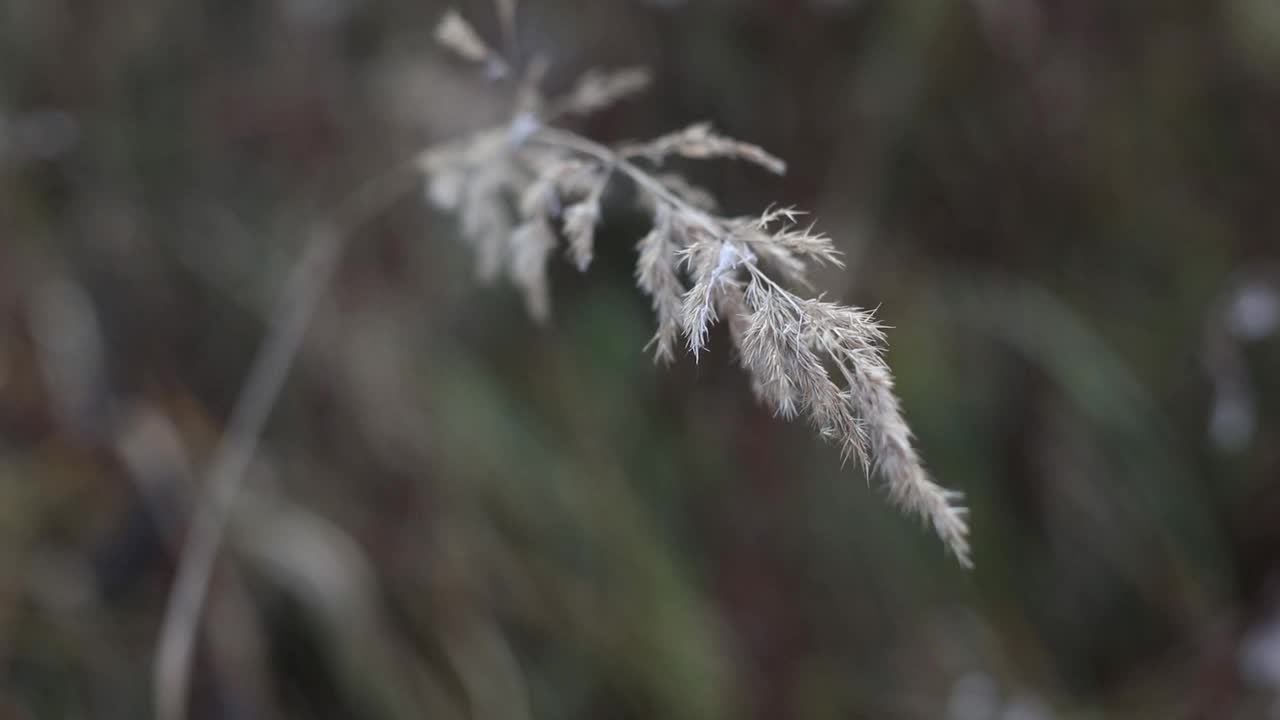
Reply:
x=1065, y=209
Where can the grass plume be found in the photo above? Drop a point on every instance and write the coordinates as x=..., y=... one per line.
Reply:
x=805, y=357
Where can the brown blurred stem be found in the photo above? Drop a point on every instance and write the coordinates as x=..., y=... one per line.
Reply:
x=288, y=323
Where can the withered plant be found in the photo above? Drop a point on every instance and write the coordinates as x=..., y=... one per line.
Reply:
x=528, y=187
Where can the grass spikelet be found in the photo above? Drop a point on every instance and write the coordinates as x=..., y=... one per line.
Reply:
x=701, y=142
x=580, y=221
x=658, y=276
x=597, y=90
x=531, y=246
x=456, y=35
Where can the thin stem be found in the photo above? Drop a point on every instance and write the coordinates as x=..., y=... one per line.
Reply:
x=289, y=321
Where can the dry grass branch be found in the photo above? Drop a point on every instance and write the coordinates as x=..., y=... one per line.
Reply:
x=805, y=357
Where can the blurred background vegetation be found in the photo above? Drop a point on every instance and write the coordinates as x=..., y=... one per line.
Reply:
x=1066, y=210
